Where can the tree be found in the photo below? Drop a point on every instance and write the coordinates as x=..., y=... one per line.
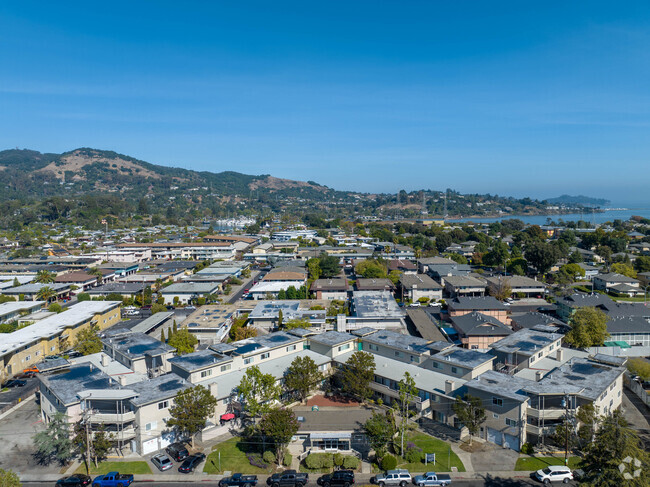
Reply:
x=280, y=319
x=45, y=277
x=394, y=276
x=542, y=255
x=162, y=335
x=296, y=323
x=158, y=308
x=88, y=341
x=588, y=328
x=279, y=425
x=357, y=374
x=313, y=267
x=642, y=263
x=16, y=282
x=572, y=271
x=575, y=258
x=100, y=444
x=329, y=266
x=191, y=409
x=470, y=412
x=45, y=293
x=258, y=391
x=97, y=272
x=54, y=443
x=8, y=478
x=497, y=256
x=245, y=332
x=380, y=430
x=407, y=393
x=605, y=252
x=302, y=376
x=371, y=269
x=502, y=290
x=183, y=341
x=443, y=241
x=588, y=419
x=640, y=367
x=616, y=457
x=55, y=308
x=624, y=269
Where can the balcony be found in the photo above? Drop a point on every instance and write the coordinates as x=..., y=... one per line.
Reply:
x=539, y=430
x=123, y=435
x=548, y=413
x=125, y=417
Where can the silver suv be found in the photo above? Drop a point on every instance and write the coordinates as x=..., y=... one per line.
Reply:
x=399, y=477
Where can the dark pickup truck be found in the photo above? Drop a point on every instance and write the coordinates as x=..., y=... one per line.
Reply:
x=239, y=480
x=288, y=478
x=340, y=478
x=113, y=479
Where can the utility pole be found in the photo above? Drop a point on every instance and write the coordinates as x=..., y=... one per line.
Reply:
x=565, y=403
x=86, y=417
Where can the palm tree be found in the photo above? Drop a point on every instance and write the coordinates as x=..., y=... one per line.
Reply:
x=45, y=294
x=45, y=277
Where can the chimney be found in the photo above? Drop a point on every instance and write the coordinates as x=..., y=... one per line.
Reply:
x=104, y=360
x=560, y=354
x=449, y=386
x=121, y=379
x=539, y=375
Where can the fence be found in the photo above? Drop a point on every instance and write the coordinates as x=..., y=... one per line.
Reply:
x=637, y=388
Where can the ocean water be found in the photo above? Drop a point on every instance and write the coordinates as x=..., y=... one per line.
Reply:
x=606, y=216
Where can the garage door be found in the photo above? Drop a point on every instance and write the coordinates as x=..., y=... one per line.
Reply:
x=511, y=442
x=494, y=436
x=166, y=439
x=149, y=446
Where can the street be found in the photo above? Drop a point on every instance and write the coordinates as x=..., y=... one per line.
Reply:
x=236, y=295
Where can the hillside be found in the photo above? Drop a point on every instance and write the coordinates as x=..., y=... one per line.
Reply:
x=579, y=200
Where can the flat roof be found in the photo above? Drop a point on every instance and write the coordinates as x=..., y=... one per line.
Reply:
x=67, y=386
x=157, y=389
x=136, y=345
x=424, y=324
x=118, y=287
x=198, y=360
x=476, y=303
x=35, y=287
x=375, y=304
x=156, y=319
x=398, y=340
x=190, y=288
x=525, y=342
x=15, y=306
x=55, y=324
x=332, y=338
x=492, y=382
x=463, y=357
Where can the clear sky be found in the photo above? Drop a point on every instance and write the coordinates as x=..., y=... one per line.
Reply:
x=521, y=98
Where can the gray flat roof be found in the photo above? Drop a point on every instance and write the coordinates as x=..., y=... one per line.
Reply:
x=118, y=287
x=198, y=360
x=463, y=357
x=157, y=389
x=153, y=321
x=380, y=304
x=191, y=288
x=477, y=303
x=418, y=281
x=35, y=287
x=332, y=338
x=66, y=386
x=502, y=385
x=398, y=340
x=525, y=342
x=424, y=324
x=136, y=345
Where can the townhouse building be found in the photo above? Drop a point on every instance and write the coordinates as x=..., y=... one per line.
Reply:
x=416, y=286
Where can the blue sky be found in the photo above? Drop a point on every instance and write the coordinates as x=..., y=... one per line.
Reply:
x=518, y=98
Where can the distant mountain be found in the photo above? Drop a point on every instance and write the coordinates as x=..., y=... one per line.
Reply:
x=580, y=200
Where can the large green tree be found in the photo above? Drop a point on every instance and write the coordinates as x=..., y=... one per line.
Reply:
x=8, y=478
x=279, y=425
x=542, y=255
x=380, y=430
x=302, y=376
x=45, y=293
x=183, y=341
x=54, y=443
x=258, y=391
x=329, y=266
x=88, y=341
x=45, y=277
x=616, y=457
x=588, y=328
x=357, y=374
x=100, y=444
x=191, y=409
x=470, y=412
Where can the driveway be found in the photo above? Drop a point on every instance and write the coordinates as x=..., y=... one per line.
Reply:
x=16, y=431
x=10, y=397
x=637, y=415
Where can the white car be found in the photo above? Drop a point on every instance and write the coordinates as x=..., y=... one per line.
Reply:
x=554, y=473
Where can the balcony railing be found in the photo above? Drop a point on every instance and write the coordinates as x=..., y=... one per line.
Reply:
x=113, y=417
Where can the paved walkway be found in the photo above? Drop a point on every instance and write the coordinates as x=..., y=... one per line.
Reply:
x=332, y=401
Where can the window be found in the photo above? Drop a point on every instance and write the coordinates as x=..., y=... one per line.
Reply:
x=497, y=401
x=38, y=352
x=436, y=365
x=291, y=348
x=539, y=355
x=532, y=359
x=265, y=355
x=150, y=426
x=322, y=367
x=398, y=354
x=248, y=360
x=415, y=359
x=52, y=349
x=474, y=347
x=611, y=388
x=511, y=422
x=454, y=370
x=28, y=358
x=373, y=347
x=163, y=405
x=344, y=347
x=206, y=373
x=226, y=367
x=495, y=415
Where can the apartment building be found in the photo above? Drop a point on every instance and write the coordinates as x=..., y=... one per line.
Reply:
x=53, y=334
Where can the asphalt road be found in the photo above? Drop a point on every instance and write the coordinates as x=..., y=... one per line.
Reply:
x=255, y=277
x=489, y=482
x=10, y=396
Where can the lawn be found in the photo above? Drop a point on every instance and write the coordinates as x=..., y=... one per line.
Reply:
x=233, y=458
x=532, y=464
x=445, y=458
x=122, y=467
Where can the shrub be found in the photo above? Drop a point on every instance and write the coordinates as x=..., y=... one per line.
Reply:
x=413, y=453
x=268, y=456
x=338, y=459
x=320, y=460
x=351, y=462
x=389, y=462
x=84, y=297
x=286, y=461
x=527, y=449
x=256, y=461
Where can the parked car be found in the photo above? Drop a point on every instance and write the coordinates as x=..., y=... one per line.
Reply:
x=288, y=478
x=554, y=473
x=113, y=479
x=14, y=383
x=191, y=462
x=162, y=462
x=340, y=478
x=177, y=451
x=239, y=480
x=32, y=369
x=77, y=480
x=432, y=479
x=27, y=375
x=399, y=477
